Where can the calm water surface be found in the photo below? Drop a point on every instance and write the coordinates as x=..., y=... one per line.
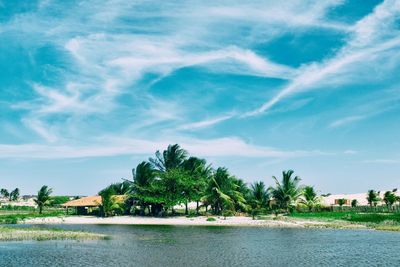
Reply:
x=209, y=246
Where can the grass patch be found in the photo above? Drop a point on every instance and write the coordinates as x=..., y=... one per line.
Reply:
x=350, y=216
x=211, y=219
x=395, y=228
x=13, y=218
x=38, y=234
x=377, y=221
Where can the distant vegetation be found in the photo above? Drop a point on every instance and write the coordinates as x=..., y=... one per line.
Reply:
x=11, y=196
x=173, y=177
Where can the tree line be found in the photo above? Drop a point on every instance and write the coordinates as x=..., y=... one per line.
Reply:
x=173, y=177
x=11, y=196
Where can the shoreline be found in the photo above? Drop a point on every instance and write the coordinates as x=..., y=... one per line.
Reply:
x=269, y=222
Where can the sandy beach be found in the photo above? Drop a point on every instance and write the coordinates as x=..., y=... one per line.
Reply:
x=196, y=221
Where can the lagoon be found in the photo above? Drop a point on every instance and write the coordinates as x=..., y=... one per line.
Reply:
x=208, y=246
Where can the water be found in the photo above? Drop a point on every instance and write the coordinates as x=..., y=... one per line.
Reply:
x=209, y=246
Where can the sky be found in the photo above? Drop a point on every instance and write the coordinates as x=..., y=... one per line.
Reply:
x=89, y=89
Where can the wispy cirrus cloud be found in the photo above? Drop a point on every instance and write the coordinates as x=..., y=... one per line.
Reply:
x=372, y=37
x=204, y=123
x=116, y=146
x=370, y=106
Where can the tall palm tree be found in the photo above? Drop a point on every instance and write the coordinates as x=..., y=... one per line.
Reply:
x=341, y=202
x=143, y=176
x=389, y=198
x=354, y=203
x=373, y=197
x=199, y=174
x=14, y=195
x=309, y=197
x=259, y=195
x=43, y=197
x=173, y=157
x=107, y=201
x=4, y=193
x=287, y=192
x=223, y=192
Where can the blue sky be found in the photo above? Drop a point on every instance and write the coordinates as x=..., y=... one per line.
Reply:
x=88, y=89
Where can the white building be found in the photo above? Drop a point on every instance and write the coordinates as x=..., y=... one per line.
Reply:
x=332, y=200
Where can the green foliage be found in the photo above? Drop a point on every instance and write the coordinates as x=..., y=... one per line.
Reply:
x=211, y=219
x=107, y=202
x=258, y=197
x=14, y=195
x=11, y=196
x=310, y=198
x=341, y=202
x=4, y=193
x=13, y=218
x=143, y=176
x=43, y=197
x=287, y=192
x=169, y=179
x=354, y=203
x=389, y=198
x=373, y=197
x=171, y=158
x=58, y=200
x=223, y=192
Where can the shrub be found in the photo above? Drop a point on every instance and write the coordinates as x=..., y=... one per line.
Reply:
x=211, y=219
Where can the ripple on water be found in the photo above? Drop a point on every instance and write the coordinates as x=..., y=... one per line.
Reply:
x=209, y=246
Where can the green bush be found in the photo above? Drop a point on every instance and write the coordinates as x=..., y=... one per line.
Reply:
x=211, y=219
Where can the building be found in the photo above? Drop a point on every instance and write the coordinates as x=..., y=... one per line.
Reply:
x=332, y=200
x=90, y=205
x=84, y=205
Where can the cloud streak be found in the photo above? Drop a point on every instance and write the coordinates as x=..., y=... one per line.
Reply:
x=371, y=36
x=112, y=146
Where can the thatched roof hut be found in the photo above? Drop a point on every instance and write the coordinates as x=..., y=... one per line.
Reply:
x=88, y=205
x=92, y=201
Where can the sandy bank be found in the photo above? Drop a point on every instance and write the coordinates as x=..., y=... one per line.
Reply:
x=201, y=221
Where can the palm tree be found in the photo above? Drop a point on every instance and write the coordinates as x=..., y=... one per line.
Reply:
x=341, y=202
x=354, y=203
x=143, y=176
x=223, y=192
x=173, y=157
x=122, y=188
x=309, y=198
x=259, y=194
x=107, y=202
x=4, y=193
x=373, y=197
x=258, y=197
x=14, y=195
x=287, y=192
x=43, y=197
x=199, y=174
x=389, y=198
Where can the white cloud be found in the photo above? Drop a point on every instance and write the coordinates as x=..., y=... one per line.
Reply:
x=350, y=152
x=204, y=123
x=346, y=120
x=41, y=129
x=111, y=146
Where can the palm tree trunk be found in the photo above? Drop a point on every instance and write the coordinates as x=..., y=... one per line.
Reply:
x=186, y=208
